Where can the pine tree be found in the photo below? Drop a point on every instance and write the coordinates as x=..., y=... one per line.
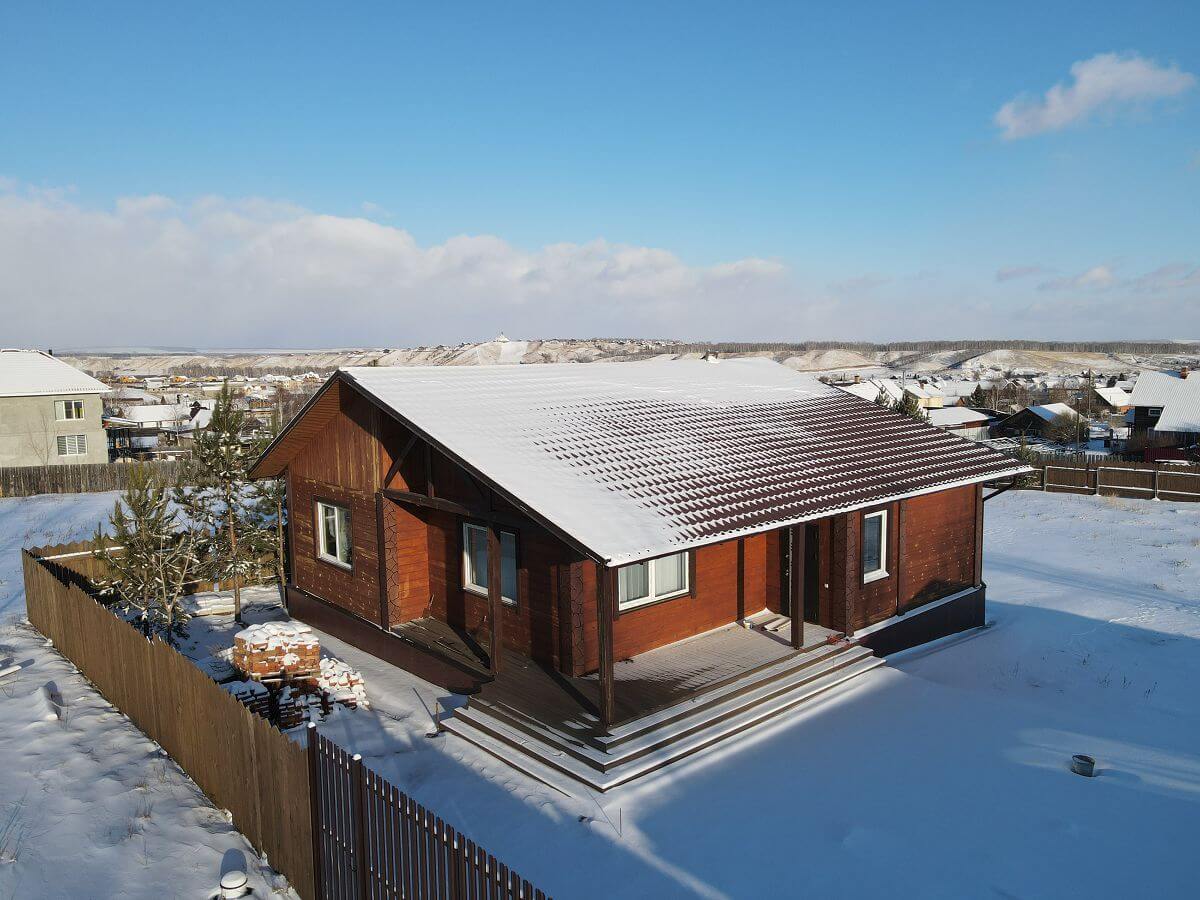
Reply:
x=219, y=503
x=150, y=557
x=910, y=406
x=978, y=397
x=269, y=515
x=882, y=399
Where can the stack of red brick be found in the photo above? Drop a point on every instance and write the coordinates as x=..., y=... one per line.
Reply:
x=276, y=649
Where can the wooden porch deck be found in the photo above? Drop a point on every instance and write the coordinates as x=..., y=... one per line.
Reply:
x=645, y=684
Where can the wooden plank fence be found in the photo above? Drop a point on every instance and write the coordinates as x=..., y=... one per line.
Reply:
x=1150, y=481
x=89, y=478
x=336, y=829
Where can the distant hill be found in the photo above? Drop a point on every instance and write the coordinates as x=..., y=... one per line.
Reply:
x=816, y=356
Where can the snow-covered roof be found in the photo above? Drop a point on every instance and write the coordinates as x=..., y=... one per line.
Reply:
x=638, y=459
x=1051, y=411
x=952, y=416
x=35, y=373
x=1113, y=396
x=1154, y=389
x=1182, y=411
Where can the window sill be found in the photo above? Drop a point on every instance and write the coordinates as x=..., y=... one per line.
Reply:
x=650, y=601
x=875, y=576
x=335, y=562
x=481, y=592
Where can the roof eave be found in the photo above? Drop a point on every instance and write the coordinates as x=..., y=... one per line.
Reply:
x=635, y=556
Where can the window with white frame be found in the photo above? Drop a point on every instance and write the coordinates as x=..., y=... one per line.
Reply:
x=68, y=410
x=874, y=546
x=1154, y=411
x=648, y=582
x=475, y=562
x=333, y=530
x=72, y=445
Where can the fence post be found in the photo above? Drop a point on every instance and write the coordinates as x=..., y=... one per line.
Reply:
x=357, y=802
x=1097, y=471
x=1156, y=497
x=1044, y=468
x=314, y=790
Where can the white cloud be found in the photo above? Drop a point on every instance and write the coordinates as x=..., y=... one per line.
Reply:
x=1097, y=277
x=1012, y=273
x=214, y=272
x=1102, y=83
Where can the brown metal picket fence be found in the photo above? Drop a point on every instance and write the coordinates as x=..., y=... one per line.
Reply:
x=374, y=842
x=336, y=829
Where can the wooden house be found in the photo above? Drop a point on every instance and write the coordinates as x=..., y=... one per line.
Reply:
x=624, y=562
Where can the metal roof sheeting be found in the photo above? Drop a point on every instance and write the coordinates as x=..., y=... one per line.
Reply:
x=638, y=459
x=1181, y=413
x=35, y=373
x=1154, y=389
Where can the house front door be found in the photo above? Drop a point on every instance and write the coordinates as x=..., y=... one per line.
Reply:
x=809, y=571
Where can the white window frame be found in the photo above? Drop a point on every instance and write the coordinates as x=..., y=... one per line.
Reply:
x=62, y=406
x=335, y=558
x=468, y=583
x=652, y=596
x=881, y=571
x=1154, y=411
x=71, y=444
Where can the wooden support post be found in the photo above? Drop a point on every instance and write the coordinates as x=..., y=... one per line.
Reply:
x=314, y=805
x=1156, y=497
x=978, y=535
x=495, y=598
x=606, y=595
x=384, y=551
x=741, y=579
x=898, y=559
x=797, y=578
x=852, y=566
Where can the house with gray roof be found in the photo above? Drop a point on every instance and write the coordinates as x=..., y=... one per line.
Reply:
x=51, y=414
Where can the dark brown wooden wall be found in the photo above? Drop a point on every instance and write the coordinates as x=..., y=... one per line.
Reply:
x=718, y=601
x=340, y=464
x=940, y=545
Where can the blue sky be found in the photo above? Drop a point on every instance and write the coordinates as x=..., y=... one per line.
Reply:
x=850, y=152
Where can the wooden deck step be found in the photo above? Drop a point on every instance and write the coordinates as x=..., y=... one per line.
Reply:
x=494, y=732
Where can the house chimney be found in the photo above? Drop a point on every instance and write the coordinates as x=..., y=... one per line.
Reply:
x=1184, y=372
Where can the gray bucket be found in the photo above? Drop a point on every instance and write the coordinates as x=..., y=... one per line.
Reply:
x=1083, y=765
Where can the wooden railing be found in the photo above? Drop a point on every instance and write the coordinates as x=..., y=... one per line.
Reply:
x=335, y=829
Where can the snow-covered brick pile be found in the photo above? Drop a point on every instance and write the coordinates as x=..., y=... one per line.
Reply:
x=276, y=648
x=342, y=683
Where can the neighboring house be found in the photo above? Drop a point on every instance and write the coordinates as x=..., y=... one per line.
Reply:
x=147, y=427
x=550, y=535
x=927, y=397
x=1111, y=399
x=50, y=412
x=963, y=421
x=1036, y=420
x=1180, y=417
x=1152, y=395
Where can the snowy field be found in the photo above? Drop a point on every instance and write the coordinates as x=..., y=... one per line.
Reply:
x=89, y=807
x=943, y=774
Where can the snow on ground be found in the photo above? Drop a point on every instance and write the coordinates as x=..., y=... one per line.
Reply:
x=38, y=521
x=943, y=774
x=90, y=807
